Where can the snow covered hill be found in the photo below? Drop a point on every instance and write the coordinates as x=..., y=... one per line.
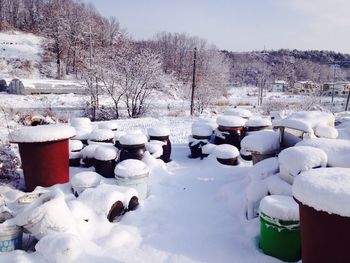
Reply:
x=19, y=54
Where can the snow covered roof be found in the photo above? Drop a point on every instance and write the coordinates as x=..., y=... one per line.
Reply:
x=230, y=121
x=131, y=168
x=42, y=133
x=307, y=120
x=280, y=207
x=261, y=141
x=325, y=189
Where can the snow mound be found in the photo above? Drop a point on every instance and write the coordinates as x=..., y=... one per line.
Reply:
x=325, y=131
x=81, y=122
x=295, y=160
x=244, y=113
x=42, y=133
x=231, y=121
x=81, y=134
x=108, y=125
x=133, y=139
x=325, y=189
x=101, y=135
x=338, y=151
x=85, y=179
x=226, y=151
x=106, y=153
x=280, y=207
x=105, y=195
x=256, y=190
x=209, y=122
x=258, y=122
x=208, y=148
x=277, y=186
x=264, y=169
x=261, y=141
x=202, y=130
x=118, y=134
x=159, y=131
x=131, y=168
x=60, y=248
x=75, y=145
x=89, y=151
x=155, y=148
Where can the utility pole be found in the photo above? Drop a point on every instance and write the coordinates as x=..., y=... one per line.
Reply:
x=193, y=79
x=334, y=71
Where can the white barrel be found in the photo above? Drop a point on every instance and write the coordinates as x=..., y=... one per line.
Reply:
x=10, y=234
x=133, y=173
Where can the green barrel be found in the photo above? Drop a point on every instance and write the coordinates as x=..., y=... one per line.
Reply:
x=280, y=238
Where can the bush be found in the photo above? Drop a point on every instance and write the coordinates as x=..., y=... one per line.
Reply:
x=9, y=163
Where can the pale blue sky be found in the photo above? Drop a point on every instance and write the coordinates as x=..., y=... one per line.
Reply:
x=239, y=25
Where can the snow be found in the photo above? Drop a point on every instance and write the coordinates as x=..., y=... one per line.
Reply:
x=277, y=186
x=131, y=168
x=133, y=139
x=158, y=131
x=75, y=145
x=244, y=113
x=256, y=190
x=81, y=122
x=105, y=153
x=206, y=121
x=43, y=133
x=89, y=151
x=338, y=151
x=264, y=169
x=226, y=151
x=75, y=155
x=202, y=130
x=280, y=207
x=108, y=125
x=101, y=198
x=118, y=134
x=100, y=135
x=85, y=179
x=258, y=122
x=261, y=141
x=325, y=189
x=295, y=160
x=308, y=120
x=230, y=121
x=208, y=148
x=155, y=148
x=325, y=131
x=82, y=134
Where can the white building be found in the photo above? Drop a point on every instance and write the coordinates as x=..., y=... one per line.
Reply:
x=279, y=86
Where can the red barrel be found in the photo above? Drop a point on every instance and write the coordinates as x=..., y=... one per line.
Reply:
x=45, y=163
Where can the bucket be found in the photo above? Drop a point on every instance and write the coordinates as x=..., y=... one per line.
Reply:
x=44, y=163
x=280, y=238
x=10, y=235
x=139, y=182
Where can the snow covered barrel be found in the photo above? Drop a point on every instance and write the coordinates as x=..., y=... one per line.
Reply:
x=44, y=154
x=295, y=160
x=227, y=154
x=280, y=228
x=101, y=136
x=231, y=130
x=75, y=147
x=201, y=135
x=83, y=128
x=84, y=180
x=117, y=135
x=10, y=233
x=323, y=196
x=105, y=157
x=133, y=146
x=161, y=134
x=207, y=149
x=261, y=145
x=257, y=124
x=108, y=125
x=133, y=173
x=87, y=155
x=239, y=112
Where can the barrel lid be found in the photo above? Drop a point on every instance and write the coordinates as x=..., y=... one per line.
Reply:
x=42, y=133
x=226, y=151
x=131, y=168
x=230, y=121
x=105, y=153
x=280, y=207
x=202, y=130
x=133, y=139
x=85, y=179
x=258, y=122
x=324, y=189
x=158, y=131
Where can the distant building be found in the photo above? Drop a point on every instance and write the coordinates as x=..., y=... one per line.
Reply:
x=305, y=87
x=3, y=85
x=341, y=88
x=39, y=86
x=279, y=86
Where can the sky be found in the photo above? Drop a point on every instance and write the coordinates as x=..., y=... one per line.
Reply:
x=239, y=25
